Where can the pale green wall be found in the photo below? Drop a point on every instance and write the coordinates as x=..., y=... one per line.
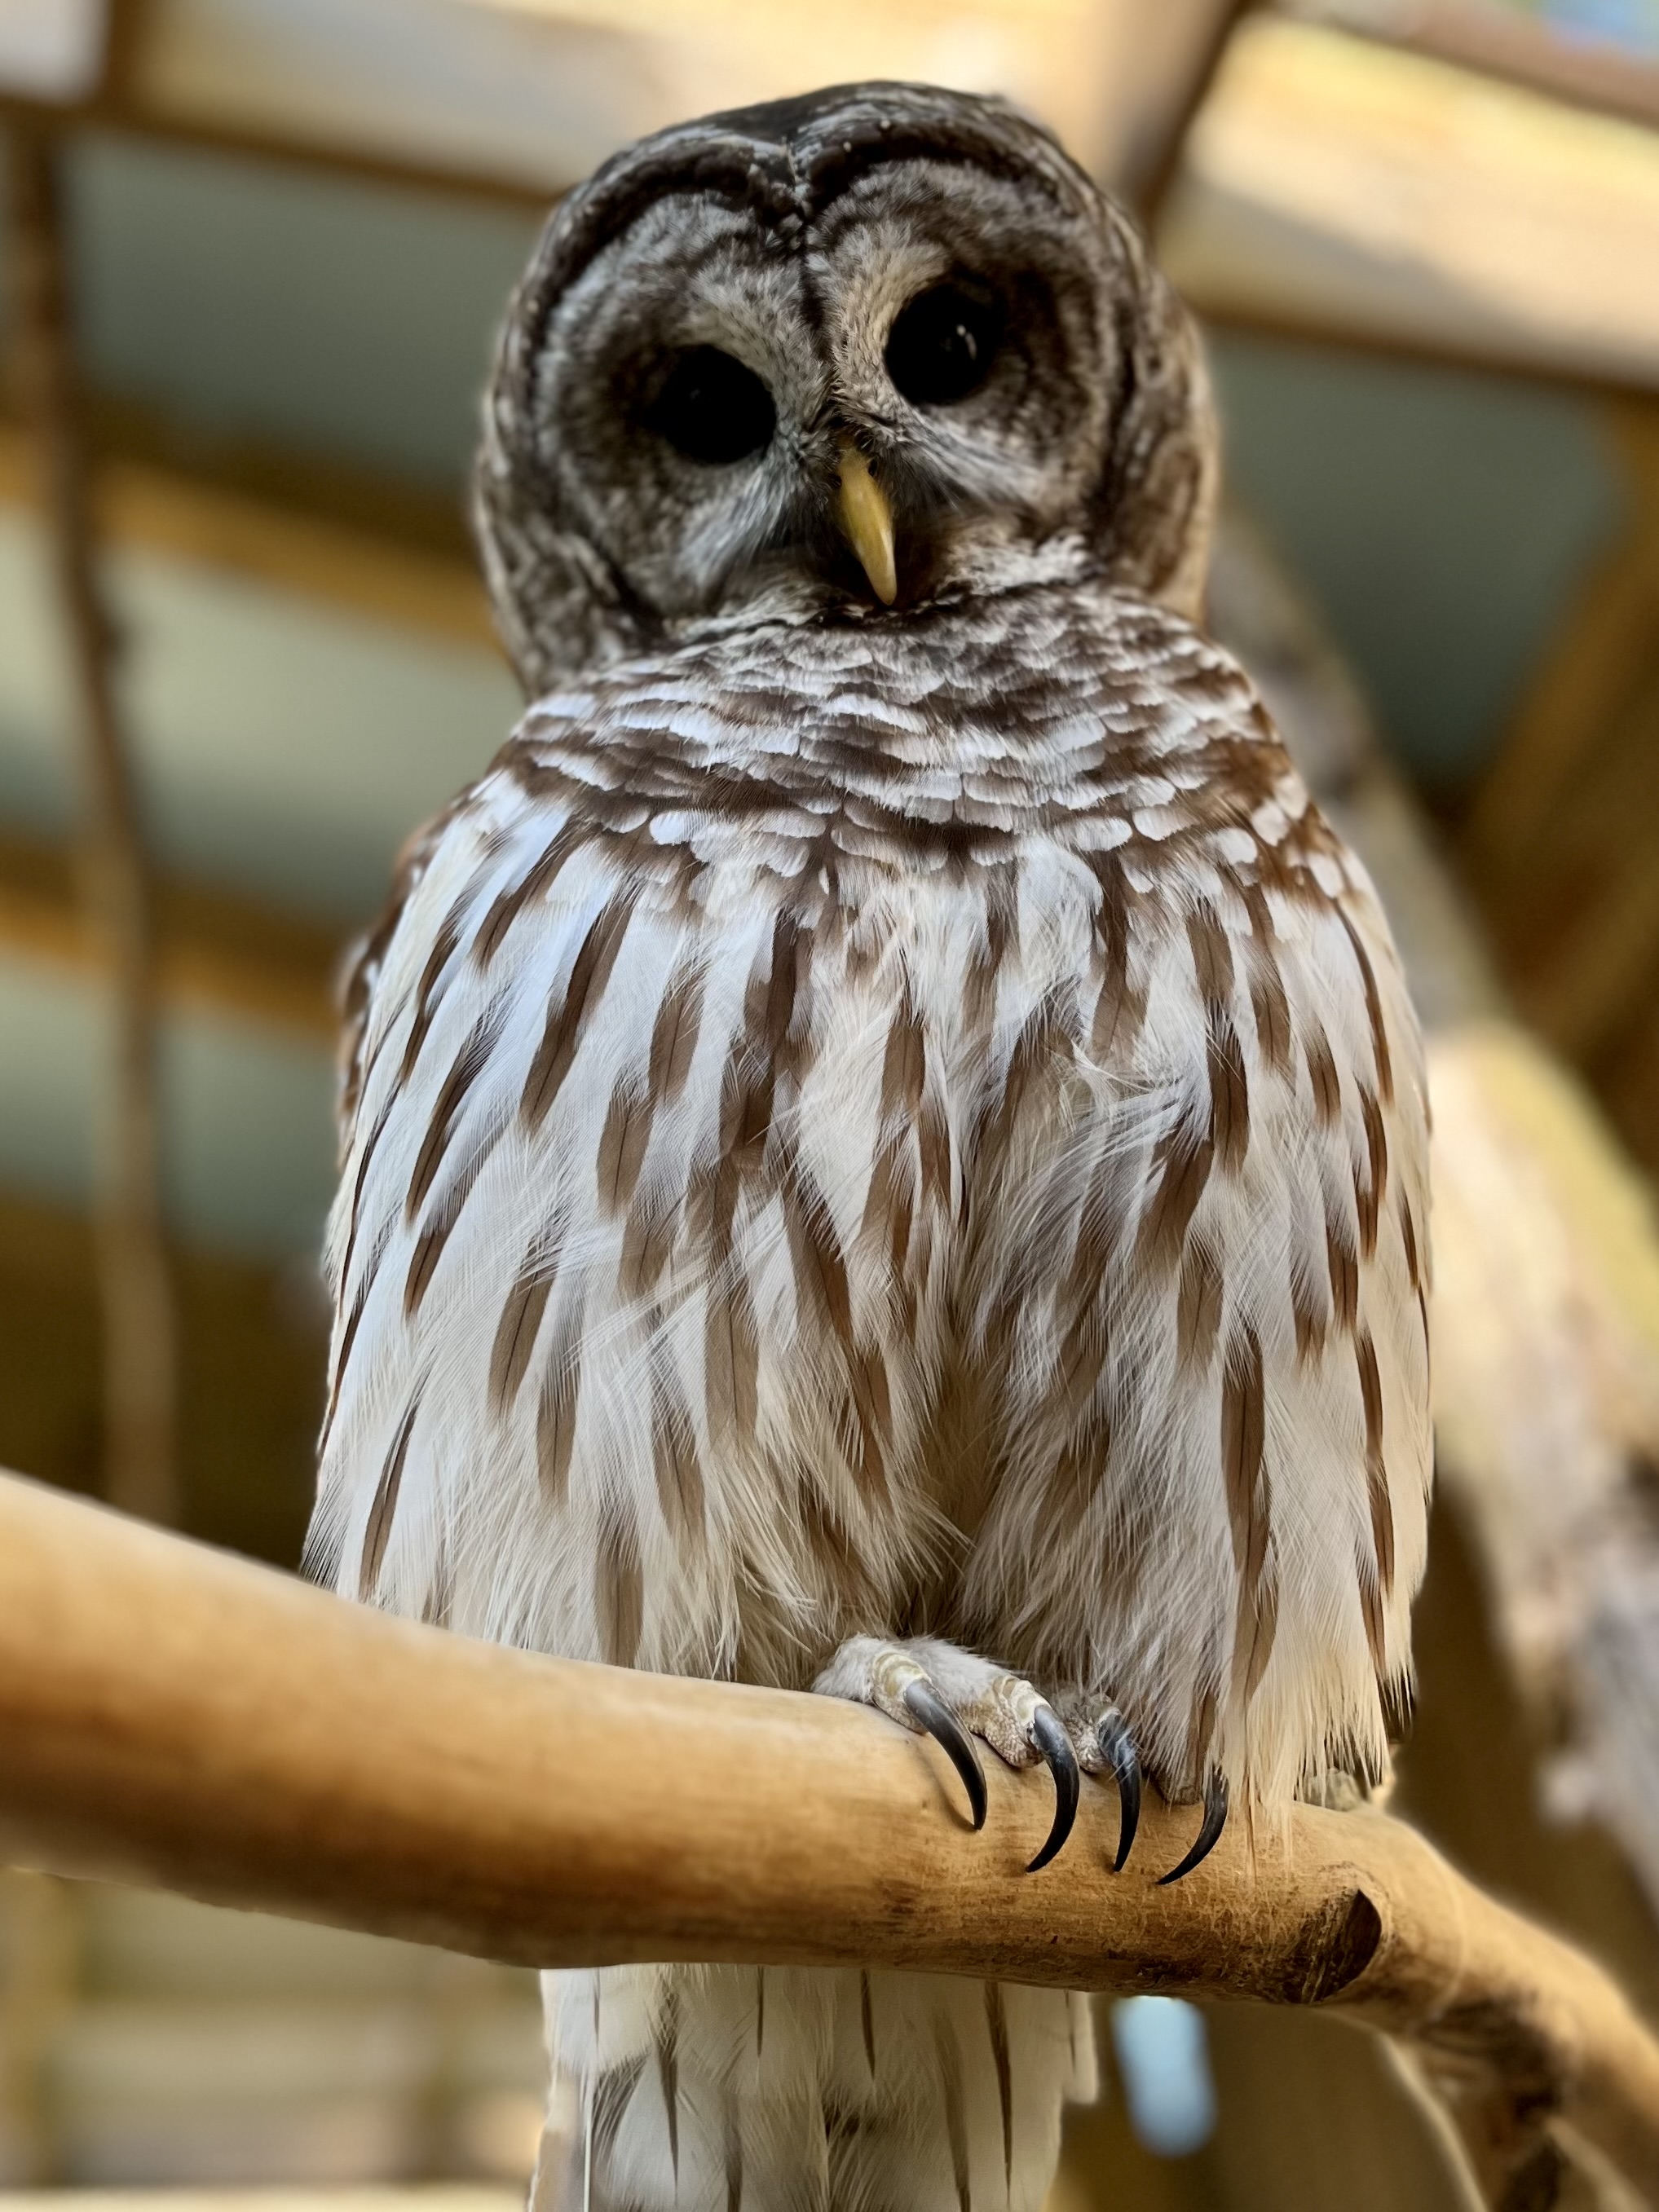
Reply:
x=1442, y=520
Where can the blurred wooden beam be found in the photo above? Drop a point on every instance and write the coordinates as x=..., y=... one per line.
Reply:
x=1171, y=100
x=215, y=949
x=1558, y=839
x=1333, y=184
x=119, y=112
x=513, y=100
x=1330, y=333
x=391, y=556
x=1514, y=45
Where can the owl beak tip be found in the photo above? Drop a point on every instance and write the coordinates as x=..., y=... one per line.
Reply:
x=867, y=519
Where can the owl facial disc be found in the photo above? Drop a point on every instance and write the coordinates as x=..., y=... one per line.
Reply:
x=847, y=358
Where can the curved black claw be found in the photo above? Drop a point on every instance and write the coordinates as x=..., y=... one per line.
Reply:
x=1118, y=1747
x=1215, y=1819
x=1052, y=1741
x=924, y=1704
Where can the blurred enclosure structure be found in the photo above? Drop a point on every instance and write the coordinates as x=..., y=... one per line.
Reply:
x=255, y=249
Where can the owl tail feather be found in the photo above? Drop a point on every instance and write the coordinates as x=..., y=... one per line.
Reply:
x=784, y=2089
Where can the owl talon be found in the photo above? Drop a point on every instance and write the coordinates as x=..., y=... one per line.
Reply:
x=1215, y=1819
x=1117, y=1750
x=1052, y=1741
x=929, y=1711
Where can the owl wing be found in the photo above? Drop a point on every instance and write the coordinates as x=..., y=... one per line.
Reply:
x=1203, y=1283
x=484, y=1200
x=610, y=1372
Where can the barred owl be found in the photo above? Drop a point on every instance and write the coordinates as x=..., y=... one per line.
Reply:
x=883, y=1139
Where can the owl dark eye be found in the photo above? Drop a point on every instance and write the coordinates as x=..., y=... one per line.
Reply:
x=942, y=346
x=711, y=408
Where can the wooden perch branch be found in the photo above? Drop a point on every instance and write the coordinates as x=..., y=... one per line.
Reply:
x=173, y=1716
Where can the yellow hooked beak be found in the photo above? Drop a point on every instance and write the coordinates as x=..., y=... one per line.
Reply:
x=867, y=521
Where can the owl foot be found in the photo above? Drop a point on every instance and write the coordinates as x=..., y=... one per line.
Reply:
x=1108, y=1748
x=933, y=1689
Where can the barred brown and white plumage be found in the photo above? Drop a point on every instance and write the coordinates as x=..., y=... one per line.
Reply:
x=878, y=1133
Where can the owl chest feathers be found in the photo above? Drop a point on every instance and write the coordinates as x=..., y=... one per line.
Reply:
x=838, y=1146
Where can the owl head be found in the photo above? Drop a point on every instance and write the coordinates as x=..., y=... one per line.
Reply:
x=842, y=357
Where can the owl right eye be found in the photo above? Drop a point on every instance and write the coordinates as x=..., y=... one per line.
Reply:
x=710, y=408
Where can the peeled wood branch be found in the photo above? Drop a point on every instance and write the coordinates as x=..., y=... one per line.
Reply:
x=173, y=1716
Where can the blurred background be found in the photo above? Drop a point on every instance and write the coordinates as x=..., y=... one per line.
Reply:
x=254, y=251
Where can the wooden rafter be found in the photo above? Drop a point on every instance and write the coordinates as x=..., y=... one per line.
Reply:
x=1333, y=184
x=1124, y=86
x=312, y=528
x=1519, y=47
x=1155, y=150
x=1558, y=838
x=215, y=950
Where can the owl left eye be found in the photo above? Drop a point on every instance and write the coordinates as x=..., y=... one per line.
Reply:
x=941, y=346
x=711, y=408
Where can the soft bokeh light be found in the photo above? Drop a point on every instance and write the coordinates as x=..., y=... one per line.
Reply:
x=1163, y=2064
